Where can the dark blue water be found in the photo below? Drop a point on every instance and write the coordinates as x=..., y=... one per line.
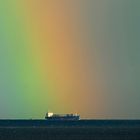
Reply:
x=70, y=130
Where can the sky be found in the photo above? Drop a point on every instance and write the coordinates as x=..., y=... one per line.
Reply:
x=70, y=56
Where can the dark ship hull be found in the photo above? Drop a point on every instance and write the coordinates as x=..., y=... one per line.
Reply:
x=63, y=118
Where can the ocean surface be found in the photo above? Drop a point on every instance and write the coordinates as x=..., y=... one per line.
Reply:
x=70, y=130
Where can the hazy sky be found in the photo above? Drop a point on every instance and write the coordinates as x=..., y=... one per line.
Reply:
x=70, y=56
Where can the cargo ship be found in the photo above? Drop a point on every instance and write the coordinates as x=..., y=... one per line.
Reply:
x=52, y=116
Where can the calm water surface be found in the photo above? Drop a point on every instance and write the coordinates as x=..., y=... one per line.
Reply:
x=70, y=130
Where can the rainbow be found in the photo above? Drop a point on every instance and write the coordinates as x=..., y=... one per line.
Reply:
x=46, y=64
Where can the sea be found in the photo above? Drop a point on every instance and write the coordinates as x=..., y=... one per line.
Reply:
x=70, y=130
